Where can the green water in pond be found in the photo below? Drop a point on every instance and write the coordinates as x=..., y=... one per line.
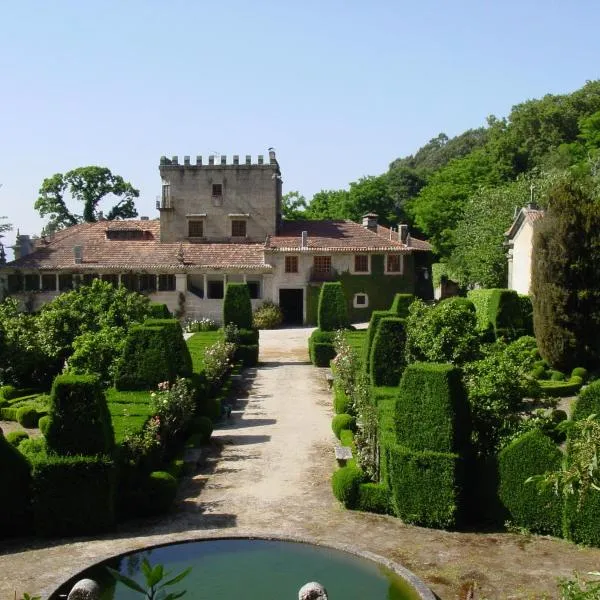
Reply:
x=253, y=570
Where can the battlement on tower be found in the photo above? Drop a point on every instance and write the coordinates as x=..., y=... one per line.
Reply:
x=218, y=161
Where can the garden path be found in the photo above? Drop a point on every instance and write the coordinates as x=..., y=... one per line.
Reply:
x=268, y=473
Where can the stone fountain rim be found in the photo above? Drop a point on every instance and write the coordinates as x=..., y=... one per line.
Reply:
x=417, y=584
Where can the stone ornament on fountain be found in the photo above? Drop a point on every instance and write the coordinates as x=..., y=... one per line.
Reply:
x=85, y=589
x=312, y=591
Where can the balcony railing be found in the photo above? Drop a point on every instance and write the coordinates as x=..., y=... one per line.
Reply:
x=318, y=275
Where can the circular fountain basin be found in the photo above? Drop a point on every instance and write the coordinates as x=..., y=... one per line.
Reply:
x=258, y=569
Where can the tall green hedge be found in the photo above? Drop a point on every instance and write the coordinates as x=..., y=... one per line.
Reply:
x=80, y=422
x=158, y=310
x=503, y=310
x=426, y=487
x=533, y=453
x=400, y=305
x=588, y=402
x=432, y=410
x=237, y=308
x=15, y=482
x=581, y=522
x=332, y=310
x=387, y=354
x=146, y=360
x=176, y=344
x=376, y=316
x=73, y=495
x=320, y=347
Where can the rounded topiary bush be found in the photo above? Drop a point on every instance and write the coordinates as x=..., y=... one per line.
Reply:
x=343, y=421
x=588, y=402
x=341, y=401
x=15, y=491
x=44, y=423
x=533, y=453
x=267, y=316
x=28, y=416
x=204, y=426
x=345, y=484
x=387, y=353
x=374, y=497
x=556, y=375
x=8, y=392
x=16, y=437
x=580, y=372
x=332, y=308
x=237, y=307
x=162, y=487
x=538, y=372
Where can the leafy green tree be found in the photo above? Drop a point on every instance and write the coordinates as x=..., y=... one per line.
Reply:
x=4, y=227
x=293, y=206
x=329, y=204
x=88, y=186
x=565, y=276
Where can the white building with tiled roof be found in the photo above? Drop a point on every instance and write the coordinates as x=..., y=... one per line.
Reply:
x=519, y=241
x=221, y=223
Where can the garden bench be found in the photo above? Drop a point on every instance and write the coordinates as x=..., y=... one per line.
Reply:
x=329, y=378
x=342, y=454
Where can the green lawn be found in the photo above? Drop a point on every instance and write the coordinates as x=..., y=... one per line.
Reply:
x=198, y=343
x=356, y=339
x=129, y=411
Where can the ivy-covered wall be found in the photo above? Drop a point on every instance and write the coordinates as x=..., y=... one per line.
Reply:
x=379, y=287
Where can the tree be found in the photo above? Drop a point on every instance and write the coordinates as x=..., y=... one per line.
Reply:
x=328, y=204
x=293, y=206
x=565, y=276
x=4, y=227
x=88, y=185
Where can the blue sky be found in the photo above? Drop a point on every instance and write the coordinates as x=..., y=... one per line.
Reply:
x=340, y=89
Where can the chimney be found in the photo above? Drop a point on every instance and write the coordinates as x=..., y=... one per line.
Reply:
x=144, y=218
x=402, y=233
x=272, y=159
x=304, y=240
x=369, y=221
x=78, y=254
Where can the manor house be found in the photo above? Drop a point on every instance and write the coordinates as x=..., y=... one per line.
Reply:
x=221, y=222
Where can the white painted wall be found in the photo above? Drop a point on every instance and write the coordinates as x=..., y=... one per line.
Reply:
x=521, y=265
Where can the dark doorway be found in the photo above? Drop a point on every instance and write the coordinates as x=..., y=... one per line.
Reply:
x=291, y=303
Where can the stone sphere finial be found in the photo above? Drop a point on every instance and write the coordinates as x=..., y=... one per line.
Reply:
x=85, y=589
x=312, y=591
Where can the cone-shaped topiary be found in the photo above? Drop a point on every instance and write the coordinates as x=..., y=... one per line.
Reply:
x=387, y=354
x=237, y=308
x=332, y=309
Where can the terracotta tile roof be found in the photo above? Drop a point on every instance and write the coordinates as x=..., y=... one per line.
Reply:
x=102, y=253
x=412, y=242
x=338, y=236
x=528, y=215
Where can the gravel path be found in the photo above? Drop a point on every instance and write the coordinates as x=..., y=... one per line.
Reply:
x=268, y=473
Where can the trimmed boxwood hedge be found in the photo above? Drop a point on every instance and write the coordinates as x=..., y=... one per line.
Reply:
x=343, y=421
x=80, y=421
x=146, y=360
x=73, y=495
x=432, y=410
x=376, y=316
x=176, y=344
x=503, y=309
x=387, y=353
x=374, y=497
x=320, y=347
x=426, y=487
x=560, y=389
x=341, y=402
x=237, y=307
x=247, y=355
x=160, y=492
x=401, y=304
x=332, y=309
x=8, y=414
x=157, y=310
x=14, y=438
x=248, y=337
x=588, y=402
x=15, y=515
x=581, y=523
x=8, y=392
x=203, y=426
x=345, y=483
x=533, y=453
x=28, y=416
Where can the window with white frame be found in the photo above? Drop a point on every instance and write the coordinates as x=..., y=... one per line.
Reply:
x=393, y=264
x=361, y=263
x=361, y=300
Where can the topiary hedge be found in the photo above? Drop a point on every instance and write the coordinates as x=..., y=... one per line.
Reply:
x=387, y=353
x=320, y=347
x=431, y=409
x=176, y=344
x=374, y=497
x=345, y=483
x=44, y=423
x=560, y=389
x=28, y=416
x=146, y=360
x=8, y=414
x=332, y=309
x=73, y=495
x=426, y=487
x=157, y=310
x=248, y=337
x=376, y=316
x=15, y=493
x=160, y=492
x=503, y=310
x=400, y=305
x=343, y=421
x=14, y=438
x=203, y=426
x=341, y=402
x=237, y=307
x=247, y=355
x=588, y=402
x=8, y=392
x=80, y=422
x=580, y=522
x=533, y=453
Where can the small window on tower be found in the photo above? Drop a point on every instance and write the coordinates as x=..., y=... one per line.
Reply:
x=238, y=228
x=196, y=229
x=217, y=189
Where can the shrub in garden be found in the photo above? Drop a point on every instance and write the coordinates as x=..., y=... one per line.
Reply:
x=401, y=304
x=97, y=352
x=218, y=361
x=8, y=414
x=157, y=310
x=588, y=402
x=321, y=347
x=44, y=424
x=160, y=493
x=202, y=426
x=556, y=375
x=446, y=332
x=332, y=310
x=345, y=483
x=237, y=308
x=531, y=454
x=248, y=337
x=146, y=360
x=79, y=419
x=247, y=355
x=14, y=438
x=8, y=392
x=341, y=402
x=426, y=487
x=267, y=316
x=173, y=405
x=502, y=309
x=376, y=316
x=28, y=416
x=387, y=354
x=432, y=411
x=581, y=518
x=14, y=490
x=374, y=497
x=175, y=344
x=343, y=421
x=72, y=495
